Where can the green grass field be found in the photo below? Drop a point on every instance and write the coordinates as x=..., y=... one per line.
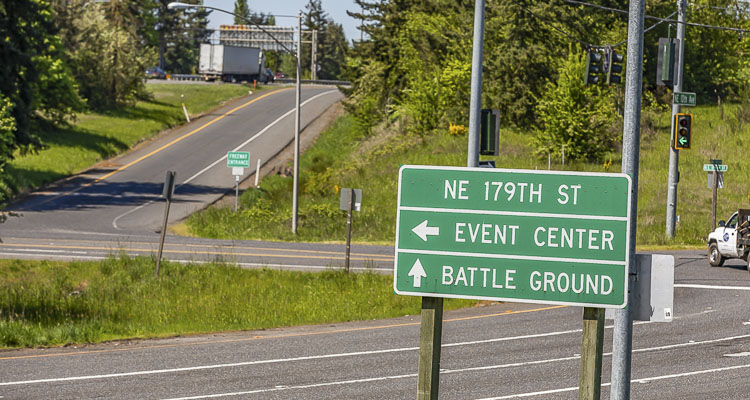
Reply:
x=97, y=136
x=46, y=303
x=341, y=158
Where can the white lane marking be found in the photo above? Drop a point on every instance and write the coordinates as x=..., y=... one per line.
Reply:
x=472, y=369
x=279, y=388
x=641, y=380
x=686, y=285
x=258, y=134
x=114, y=221
x=339, y=355
x=743, y=354
x=192, y=261
x=205, y=367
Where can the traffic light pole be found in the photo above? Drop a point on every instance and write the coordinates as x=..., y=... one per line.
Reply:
x=475, y=102
x=622, y=334
x=674, y=174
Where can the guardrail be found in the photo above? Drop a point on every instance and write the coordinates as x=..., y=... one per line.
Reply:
x=185, y=77
x=313, y=82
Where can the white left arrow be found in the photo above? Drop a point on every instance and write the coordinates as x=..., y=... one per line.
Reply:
x=417, y=271
x=422, y=230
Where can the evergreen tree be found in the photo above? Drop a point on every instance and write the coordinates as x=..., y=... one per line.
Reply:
x=313, y=19
x=242, y=12
x=333, y=52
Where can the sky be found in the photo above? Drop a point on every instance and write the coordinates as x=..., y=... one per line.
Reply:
x=335, y=9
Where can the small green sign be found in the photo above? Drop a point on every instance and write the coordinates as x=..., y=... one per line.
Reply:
x=238, y=159
x=684, y=99
x=513, y=235
x=715, y=167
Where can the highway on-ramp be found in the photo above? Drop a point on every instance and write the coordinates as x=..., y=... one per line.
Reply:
x=498, y=351
x=116, y=207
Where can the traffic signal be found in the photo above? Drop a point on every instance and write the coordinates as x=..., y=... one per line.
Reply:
x=683, y=125
x=593, y=67
x=614, y=67
x=489, y=133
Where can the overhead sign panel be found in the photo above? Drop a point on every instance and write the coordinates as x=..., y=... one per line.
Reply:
x=514, y=235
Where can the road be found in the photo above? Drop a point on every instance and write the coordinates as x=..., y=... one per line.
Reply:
x=498, y=351
x=117, y=207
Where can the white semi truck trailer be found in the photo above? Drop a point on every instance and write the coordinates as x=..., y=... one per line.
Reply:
x=232, y=63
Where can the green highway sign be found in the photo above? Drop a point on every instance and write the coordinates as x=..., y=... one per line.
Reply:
x=684, y=99
x=715, y=167
x=513, y=235
x=238, y=159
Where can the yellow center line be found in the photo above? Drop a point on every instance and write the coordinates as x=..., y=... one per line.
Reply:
x=200, y=128
x=292, y=335
x=310, y=254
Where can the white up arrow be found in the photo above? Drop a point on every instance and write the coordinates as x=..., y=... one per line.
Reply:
x=417, y=271
x=422, y=230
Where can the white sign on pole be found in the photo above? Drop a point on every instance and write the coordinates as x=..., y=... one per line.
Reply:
x=711, y=180
x=238, y=171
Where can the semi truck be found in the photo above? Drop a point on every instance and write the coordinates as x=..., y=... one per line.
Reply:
x=232, y=63
x=731, y=239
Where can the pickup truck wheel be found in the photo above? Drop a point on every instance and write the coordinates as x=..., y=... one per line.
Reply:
x=714, y=257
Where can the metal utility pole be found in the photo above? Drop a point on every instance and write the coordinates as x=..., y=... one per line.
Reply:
x=622, y=341
x=295, y=188
x=314, y=56
x=674, y=173
x=475, y=105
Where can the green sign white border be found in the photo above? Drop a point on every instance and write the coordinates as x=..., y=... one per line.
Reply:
x=245, y=162
x=626, y=263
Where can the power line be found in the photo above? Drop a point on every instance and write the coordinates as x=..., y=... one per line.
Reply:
x=582, y=3
x=586, y=44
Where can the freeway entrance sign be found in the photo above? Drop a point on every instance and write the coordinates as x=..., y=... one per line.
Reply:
x=684, y=99
x=513, y=235
x=238, y=159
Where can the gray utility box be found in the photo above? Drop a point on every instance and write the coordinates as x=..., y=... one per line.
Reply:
x=653, y=291
x=219, y=59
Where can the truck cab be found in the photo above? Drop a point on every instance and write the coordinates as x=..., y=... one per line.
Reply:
x=731, y=239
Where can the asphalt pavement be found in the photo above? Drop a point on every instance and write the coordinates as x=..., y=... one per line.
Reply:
x=496, y=351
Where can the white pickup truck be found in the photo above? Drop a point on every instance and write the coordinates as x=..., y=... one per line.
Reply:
x=731, y=239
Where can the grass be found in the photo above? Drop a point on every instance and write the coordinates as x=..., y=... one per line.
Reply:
x=97, y=136
x=343, y=158
x=45, y=303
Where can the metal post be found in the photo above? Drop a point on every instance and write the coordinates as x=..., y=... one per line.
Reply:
x=563, y=156
x=622, y=341
x=236, y=192
x=674, y=173
x=349, y=229
x=713, y=199
x=295, y=188
x=592, y=347
x=430, y=340
x=314, y=56
x=475, y=105
x=257, y=173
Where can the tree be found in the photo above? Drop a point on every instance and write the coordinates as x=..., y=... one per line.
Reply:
x=333, y=50
x=576, y=115
x=34, y=78
x=242, y=12
x=314, y=19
